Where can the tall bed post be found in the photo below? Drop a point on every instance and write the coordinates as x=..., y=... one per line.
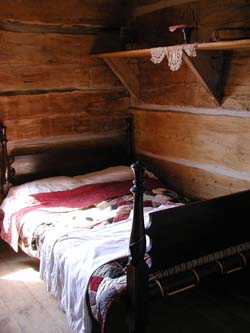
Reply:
x=5, y=182
x=137, y=269
x=130, y=141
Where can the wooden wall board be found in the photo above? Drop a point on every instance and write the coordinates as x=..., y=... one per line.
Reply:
x=88, y=12
x=194, y=183
x=212, y=144
x=127, y=72
x=68, y=160
x=160, y=85
x=148, y=6
x=38, y=116
x=207, y=15
x=37, y=48
x=152, y=29
x=43, y=61
x=217, y=14
x=208, y=68
x=53, y=76
x=237, y=81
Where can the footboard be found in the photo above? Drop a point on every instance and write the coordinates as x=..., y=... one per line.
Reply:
x=198, y=229
x=211, y=235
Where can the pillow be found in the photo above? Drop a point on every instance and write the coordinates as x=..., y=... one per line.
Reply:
x=112, y=174
x=50, y=184
x=63, y=183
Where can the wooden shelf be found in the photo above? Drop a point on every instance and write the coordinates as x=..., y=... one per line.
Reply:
x=223, y=45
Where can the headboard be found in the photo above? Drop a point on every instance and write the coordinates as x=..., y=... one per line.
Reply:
x=7, y=172
x=22, y=164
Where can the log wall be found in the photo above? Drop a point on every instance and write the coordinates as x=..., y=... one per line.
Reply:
x=200, y=149
x=207, y=16
x=50, y=91
x=198, y=144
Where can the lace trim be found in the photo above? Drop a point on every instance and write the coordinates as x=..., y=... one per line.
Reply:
x=173, y=54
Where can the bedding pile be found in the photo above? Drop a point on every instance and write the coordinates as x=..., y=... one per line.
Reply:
x=74, y=225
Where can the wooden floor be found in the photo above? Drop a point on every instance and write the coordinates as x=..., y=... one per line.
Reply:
x=25, y=304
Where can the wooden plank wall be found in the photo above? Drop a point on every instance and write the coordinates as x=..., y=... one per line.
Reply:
x=153, y=18
x=50, y=91
x=201, y=149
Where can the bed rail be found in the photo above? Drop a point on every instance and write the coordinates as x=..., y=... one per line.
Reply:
x=6, y=170
x=197, y=229
x=179, y=235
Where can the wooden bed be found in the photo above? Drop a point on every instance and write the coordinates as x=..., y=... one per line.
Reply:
x=188, y=244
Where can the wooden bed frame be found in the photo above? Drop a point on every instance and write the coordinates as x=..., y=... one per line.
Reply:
x=182, y=234
x=70, y=159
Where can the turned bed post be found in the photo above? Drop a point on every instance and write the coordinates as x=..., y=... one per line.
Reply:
x=130, y=148
x=137, y=270
x=5, y=165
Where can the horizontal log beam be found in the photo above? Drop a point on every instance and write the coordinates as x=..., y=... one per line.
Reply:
x=158, y=5
x=74, y=12
x=15, y=92
x=79, y=29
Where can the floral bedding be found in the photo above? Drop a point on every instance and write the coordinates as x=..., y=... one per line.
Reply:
x=108, y=282
x=84, y=207
x=38, y=216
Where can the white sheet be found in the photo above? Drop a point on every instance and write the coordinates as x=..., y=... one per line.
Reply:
x=69, y=259
x=70, y=256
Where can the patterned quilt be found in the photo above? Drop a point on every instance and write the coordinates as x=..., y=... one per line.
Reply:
x=108, y=282
x=86, y=207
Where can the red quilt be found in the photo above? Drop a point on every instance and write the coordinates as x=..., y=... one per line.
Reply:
x=87, y=195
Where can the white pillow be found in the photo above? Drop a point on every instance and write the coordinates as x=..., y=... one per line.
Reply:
x=51, y=184
x=112, y=174
x=62, y=183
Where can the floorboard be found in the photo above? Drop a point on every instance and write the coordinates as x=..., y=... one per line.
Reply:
x=25, y=304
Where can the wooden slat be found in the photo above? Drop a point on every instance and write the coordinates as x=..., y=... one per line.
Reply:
x=193, y=182
x=214, y=146
x=62, y=114
x=160, y=86
x=237, y=83
x=92, y=13
x=47, y=28
x=51, y=61
x=157, y=5
x=32, y=308
x=204, y=139
x=223, y=45
x=126, y=73
x=217, y=14
x=207, y=67
x=37, y=48
x=66, y=77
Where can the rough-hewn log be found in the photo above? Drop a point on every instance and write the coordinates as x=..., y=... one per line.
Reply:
x=44, y=61
x=89, y=12
x=154, y=6
x=16, y=26
x=59, y=114
x=209, y=144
